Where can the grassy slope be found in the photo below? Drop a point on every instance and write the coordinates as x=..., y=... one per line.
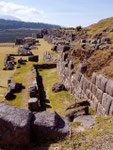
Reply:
x=100, y=61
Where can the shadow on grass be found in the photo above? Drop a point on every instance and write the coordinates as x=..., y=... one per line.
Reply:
x=44, y=102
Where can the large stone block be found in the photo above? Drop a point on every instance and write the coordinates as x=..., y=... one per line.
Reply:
x=108, y=104
x=33, y=91
x=99, y=95
x=33, y=58
x=109, y=87
x=104, y=99
x=78, y=75
x=103, y=84
x=81, y=82
x=93, y=79
x=111, y=109
x=100, y=110
x=34, y=104
x=49, y=125
x=98, y=80
x=94, y=89
x=14, y=125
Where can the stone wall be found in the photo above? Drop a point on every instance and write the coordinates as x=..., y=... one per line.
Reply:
x=48, y=57
x=98, y=91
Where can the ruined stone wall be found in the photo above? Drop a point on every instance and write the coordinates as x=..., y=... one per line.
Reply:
x=98, y=91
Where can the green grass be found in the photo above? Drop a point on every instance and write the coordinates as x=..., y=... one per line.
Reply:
x=5, y=48
x=59, y=101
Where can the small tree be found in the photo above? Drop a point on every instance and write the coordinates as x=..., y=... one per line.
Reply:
x=78, y=28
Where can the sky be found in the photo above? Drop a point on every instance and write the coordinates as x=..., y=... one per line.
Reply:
x=68, y=13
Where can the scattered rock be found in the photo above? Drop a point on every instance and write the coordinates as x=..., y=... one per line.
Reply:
x=57, y=87
x=78, y=104
x=80, y=112
x=86, y=120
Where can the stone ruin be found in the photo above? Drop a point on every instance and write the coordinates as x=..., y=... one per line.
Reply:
x=48, y=57
x=23, y=125
x=9, y=62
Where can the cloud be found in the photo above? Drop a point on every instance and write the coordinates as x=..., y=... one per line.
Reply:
x=22, y=12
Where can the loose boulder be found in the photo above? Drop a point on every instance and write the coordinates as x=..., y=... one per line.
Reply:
x=57, y=87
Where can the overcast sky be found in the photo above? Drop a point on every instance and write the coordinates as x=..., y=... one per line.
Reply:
x=68, y=13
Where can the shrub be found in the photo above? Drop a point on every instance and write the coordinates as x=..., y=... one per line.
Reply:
x=78, y=28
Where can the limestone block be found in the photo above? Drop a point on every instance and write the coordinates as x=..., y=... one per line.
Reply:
x=109, y=87
x=99, y=95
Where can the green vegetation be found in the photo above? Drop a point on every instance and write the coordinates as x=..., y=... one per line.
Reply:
x=58, y=101
x=78, y=28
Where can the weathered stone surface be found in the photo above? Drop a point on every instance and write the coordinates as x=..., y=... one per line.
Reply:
x=48, y=57
x=81, y=111
x=99, y=95
x=104, y=99
x=49, y=125
x=100, y=110
x=105, y=40
x=111, y=109
x=82, y=68
x=21, y=60
x=16, y=87
x=34, y=104
x=33, y=58
x=108, y=104
x=57, y=87
x=98, y=80
x=93, y=79
x=9, y=79
x=12, y=88
x=78, y=75
x=78, y=104
x=86, y=120
x=109, y=87
x=14, y=125
x=18, y=65
x=33, y=91
x=94, y=89
x=95, y=104
x=81, y=82
x=8, y=94
x=103, y=84
x=24, y=52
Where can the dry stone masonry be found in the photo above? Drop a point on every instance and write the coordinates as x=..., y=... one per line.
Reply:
x=98, y=91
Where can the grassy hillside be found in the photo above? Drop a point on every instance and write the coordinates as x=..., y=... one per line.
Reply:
x=101, y=60
x=10, y=30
